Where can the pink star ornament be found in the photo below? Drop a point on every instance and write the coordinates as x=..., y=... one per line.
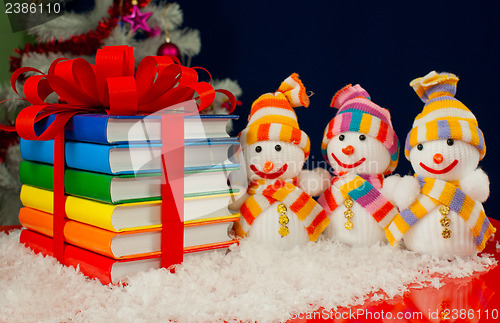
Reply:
x=137, y=20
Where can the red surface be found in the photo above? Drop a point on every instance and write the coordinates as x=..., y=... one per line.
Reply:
x=471, y=299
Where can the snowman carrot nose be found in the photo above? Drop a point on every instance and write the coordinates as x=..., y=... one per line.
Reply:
x=268, y=166
x=438, y=158
x=349, y=150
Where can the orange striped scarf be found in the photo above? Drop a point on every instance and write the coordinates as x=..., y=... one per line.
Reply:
x=304, y=206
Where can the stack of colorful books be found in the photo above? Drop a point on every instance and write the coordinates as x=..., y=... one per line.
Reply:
x=113, y=187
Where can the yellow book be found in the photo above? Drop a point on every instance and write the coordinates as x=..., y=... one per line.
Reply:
x=128, y=216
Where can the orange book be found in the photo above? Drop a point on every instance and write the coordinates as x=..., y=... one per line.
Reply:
x=93, y=265
x=130, y=244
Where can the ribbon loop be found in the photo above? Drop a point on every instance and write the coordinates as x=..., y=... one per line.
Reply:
x=122, y=95
x=110, y=85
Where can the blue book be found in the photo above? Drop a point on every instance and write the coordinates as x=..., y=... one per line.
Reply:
x=105, y=129
x=131, y=159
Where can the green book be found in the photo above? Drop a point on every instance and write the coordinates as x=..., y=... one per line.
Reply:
x=118, y=189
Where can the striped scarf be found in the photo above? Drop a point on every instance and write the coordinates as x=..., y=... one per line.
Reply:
x=377, y=180
x=305, y=207
x=364, y=193
x=433, y=193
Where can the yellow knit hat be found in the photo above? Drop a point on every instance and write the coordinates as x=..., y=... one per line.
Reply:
x=443, y=116
x=272, y=116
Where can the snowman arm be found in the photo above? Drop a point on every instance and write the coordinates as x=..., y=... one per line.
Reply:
x=314, y=182
x=389, y=186
x=235, y=205
x=405, y=192
x=476, y=185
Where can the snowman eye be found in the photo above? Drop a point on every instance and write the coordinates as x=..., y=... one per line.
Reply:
x=420, y=146
x=258, y=149
x=362, y=137
x=277, y=147
x=450, y=142
x=341, y=137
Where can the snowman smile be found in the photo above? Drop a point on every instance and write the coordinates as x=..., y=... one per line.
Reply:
x=274, y=175
x=439, y=171
x=341, y=164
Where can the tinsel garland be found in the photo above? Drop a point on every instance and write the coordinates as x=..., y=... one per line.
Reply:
x=79, y=45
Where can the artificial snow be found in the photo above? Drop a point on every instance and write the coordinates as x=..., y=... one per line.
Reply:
x=250, y=283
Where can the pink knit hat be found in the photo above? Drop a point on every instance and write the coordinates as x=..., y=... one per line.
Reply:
x=357, y=113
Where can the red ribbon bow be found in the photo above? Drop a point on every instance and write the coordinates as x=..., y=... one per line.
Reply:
x=110, y=86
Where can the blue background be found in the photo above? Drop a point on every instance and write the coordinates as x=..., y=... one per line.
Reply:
x=380, y=45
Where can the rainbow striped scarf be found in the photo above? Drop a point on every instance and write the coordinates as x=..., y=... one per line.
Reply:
x=362, y=192
x=305, y=207
x=433, y=193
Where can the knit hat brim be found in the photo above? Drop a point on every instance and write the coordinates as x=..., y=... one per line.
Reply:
x=462, y=130
x=365, y=123
x=275, y=131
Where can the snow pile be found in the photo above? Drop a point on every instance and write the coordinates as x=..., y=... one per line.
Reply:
x=250, y=283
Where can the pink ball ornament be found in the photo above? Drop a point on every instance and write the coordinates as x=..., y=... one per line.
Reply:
x=169, y=49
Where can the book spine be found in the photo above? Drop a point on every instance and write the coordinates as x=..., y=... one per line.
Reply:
x=36, y=174
x=75, y=233
x=86, y=184
x=91, y=157
x=36, y=220
x=37, y=198
x=78, y=209
x=90, y=264
x=85, y=156
x=80, y=183
x=90, y=212
x=40, y=151
x=90, y=128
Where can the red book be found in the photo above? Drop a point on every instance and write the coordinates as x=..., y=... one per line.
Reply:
x=93, y=265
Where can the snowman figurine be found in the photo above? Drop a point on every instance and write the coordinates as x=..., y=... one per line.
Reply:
x=440, y=208
x=361, y=146
x=277, y=208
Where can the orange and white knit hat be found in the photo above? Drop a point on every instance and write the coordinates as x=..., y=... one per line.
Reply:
x=272, y=116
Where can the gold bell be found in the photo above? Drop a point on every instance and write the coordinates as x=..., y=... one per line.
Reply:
x=444, y=210
x=348, y=203
x=446, y=233
x=348, y=214
x=445, y=221
x=283, y=220
x=283, y=231
x=348, y=225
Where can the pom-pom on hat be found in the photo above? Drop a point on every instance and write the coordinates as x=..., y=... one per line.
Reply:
x=443, y=116
x=272, y=116
x=357, y=113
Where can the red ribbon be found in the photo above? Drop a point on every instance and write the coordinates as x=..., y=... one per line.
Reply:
x=110, y=86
